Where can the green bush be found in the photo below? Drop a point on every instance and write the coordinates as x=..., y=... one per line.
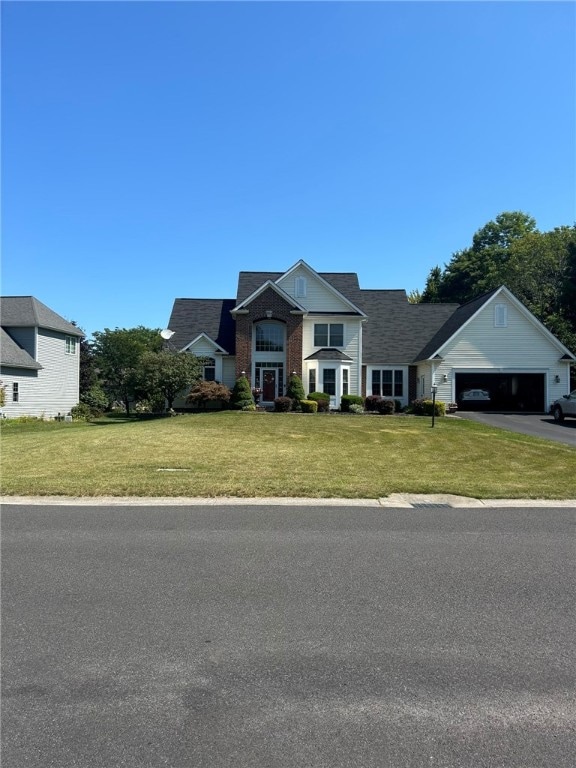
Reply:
x=283, y=404
x=241, y=394
x=295, y=391
x=347, y=400
x=424, y=407
x=96, y=399
x=309, y=406
x=355, y=408
x=206, y=392
x=322, y=399
x=385, y=407
x=81, y=412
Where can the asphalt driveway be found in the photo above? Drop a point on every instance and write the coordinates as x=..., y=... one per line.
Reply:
x=535, y=424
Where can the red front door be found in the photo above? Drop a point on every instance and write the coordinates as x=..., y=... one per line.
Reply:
x=269, y=385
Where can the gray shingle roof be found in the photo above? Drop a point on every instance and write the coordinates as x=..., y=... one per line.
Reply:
x=345, y=283
x=191, y=317
x=28, y=312
x=396, y=330
x=13, y=356
x=453, y=323
x=329, y=353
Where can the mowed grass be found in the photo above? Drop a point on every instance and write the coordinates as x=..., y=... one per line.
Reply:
x=266, y=454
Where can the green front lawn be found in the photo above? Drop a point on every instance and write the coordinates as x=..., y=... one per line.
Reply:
x=266, y=454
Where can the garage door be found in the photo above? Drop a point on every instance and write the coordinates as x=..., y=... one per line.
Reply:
x=501, y=391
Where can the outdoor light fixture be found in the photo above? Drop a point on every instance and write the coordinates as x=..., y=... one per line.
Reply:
x=556, y=379
x=433, y=390
x=445, y=377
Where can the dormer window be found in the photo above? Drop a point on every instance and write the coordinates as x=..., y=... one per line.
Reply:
x=300, y=288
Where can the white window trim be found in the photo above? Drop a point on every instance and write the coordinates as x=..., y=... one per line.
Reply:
x=500, y=315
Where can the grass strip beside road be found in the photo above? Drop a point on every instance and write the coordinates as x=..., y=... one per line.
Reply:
x=266, y=454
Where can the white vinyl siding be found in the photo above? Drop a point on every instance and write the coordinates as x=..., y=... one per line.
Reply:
x=351, y=348
x=520, y=347
x=49, y=391
x=319, y=297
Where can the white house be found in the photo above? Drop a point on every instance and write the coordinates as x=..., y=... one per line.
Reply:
x=39, y=359
x=341, y=339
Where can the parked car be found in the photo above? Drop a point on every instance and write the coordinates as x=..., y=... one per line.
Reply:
x=475, y=394
x=564, y=406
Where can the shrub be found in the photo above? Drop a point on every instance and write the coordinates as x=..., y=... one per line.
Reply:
x=397, y=406
x=81, y=412
x=371, y=402
x=208, y=391
x=249, y=407
x=322, y=399
x=295, y=391
x=95, y=398
x=241, y=394
x=385, y=406
x=347, y=400
x=355, y=408
x=2, y=395
x=423, y=407
x=309, y=406
x=283, y=404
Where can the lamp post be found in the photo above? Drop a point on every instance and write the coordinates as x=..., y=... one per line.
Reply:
x=433, y=390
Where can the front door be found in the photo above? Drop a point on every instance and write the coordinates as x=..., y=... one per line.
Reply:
x=269, y=385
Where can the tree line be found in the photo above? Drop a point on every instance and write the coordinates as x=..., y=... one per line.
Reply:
x=538, y=267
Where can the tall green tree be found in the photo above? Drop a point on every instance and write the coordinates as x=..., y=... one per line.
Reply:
x=166, y=373
x=483, y=266
x=118, y=354
x=541, y=272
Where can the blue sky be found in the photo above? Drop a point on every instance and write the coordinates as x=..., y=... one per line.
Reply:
x=151, y=150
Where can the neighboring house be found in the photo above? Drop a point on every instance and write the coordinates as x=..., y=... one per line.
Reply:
x=39, y=359
x=341, y=339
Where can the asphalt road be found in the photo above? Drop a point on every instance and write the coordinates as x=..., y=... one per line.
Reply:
x=292, y=637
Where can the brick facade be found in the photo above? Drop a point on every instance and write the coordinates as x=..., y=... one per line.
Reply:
x=269, y=305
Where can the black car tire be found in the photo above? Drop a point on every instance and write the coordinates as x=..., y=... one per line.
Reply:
x=557, y=413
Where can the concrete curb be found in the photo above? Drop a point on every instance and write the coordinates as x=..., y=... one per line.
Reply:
x=395, y=500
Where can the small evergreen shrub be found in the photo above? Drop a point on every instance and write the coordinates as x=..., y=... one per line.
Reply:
x=283, y=404
x=250, y=407
x=241, y=394
x=347, y=400
x=295, y=391
x=309, y=406
x=355, y=408
x=371, y=402
x=322, y=399
x=385, y=407
x=397, y=406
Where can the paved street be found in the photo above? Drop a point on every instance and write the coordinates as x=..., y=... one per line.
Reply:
x=288, y=637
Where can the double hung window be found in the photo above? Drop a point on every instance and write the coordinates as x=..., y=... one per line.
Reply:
x=388, y=383
x=329, y=335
